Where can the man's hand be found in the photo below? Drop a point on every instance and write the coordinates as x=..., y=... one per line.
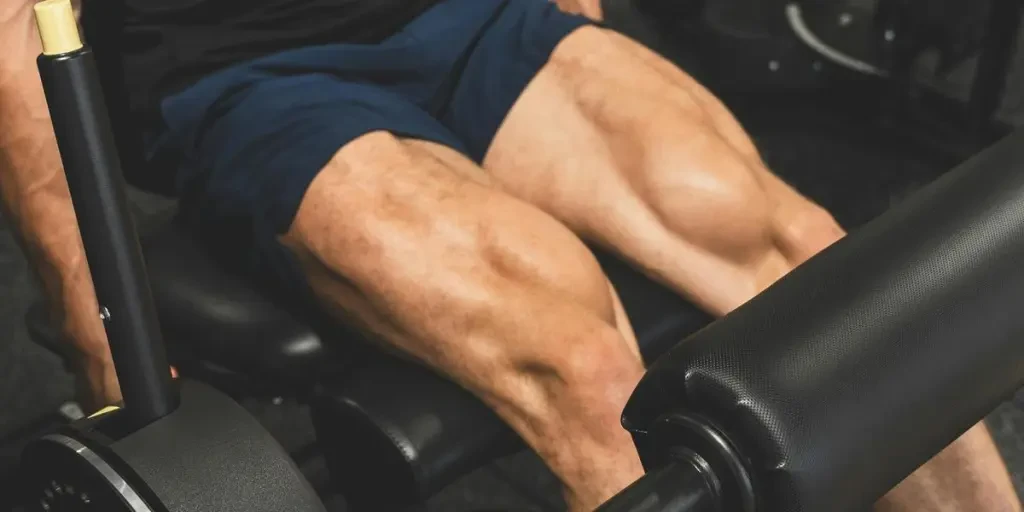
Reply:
x=36, y=202
x=96, y=384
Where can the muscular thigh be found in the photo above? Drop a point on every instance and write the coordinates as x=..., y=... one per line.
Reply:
x=410, y=242
x=631, y=152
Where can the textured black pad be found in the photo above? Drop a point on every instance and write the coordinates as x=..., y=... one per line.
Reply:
x=848, y=374
x=211, y=455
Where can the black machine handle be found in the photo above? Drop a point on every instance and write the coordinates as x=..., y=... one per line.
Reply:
x=98, y=191
x=863, y=363
x=682, y=486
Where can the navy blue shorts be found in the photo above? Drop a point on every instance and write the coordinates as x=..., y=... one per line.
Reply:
x=246, y=142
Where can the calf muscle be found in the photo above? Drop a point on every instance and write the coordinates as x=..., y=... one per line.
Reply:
x=487, y=290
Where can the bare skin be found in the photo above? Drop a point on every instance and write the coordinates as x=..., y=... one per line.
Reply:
x=589, y=8
x=481, y=273
x=969, y=475
x=37, y=202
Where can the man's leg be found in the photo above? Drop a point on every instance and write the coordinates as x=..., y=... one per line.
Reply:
x=408, y=241
x=967, y=476
x=629, y=158
x=632, y=154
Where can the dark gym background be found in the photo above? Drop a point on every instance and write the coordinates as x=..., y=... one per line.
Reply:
x=849, y=168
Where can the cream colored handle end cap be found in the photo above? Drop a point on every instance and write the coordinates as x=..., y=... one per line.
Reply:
x=58, y=28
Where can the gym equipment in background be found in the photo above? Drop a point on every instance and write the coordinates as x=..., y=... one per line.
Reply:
x=887, y=61
x=172, y=446
x=910, y=46
x=744, y=46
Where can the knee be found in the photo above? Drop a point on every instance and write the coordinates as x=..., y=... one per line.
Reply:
x=604, y=371
x=560, y=357
x=577, y=362
x=575, y=359
x=589, y=377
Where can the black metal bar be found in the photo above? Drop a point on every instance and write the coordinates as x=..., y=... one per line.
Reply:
x=683, y=486
x=97, y=188
x=997, y=53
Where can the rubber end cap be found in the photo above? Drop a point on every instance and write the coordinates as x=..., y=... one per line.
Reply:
x=58, y=28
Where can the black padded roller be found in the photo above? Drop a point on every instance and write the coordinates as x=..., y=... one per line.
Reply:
x=862, y=364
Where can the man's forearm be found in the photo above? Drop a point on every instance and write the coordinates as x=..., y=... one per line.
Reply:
x=34, y=191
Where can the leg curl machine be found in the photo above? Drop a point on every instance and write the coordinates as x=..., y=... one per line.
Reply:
x=172, y=446
x=820, y=394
